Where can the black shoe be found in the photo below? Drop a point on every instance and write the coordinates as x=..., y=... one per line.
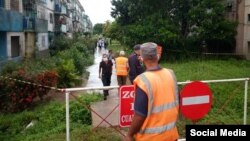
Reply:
x=105, y=98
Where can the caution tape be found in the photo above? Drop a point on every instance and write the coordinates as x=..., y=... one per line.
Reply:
x=34, y=84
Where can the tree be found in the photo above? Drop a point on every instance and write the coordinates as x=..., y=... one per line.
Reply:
x=98, y=28
x=172, y=21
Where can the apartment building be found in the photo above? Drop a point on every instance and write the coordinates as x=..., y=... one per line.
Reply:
x=11, y=29
x=27, y=26
x=239, y=10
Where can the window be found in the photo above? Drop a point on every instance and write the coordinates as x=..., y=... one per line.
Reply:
x=43, y=41
x=249, y=48
x=248, y=17
x=2, y=3
x=51, y=18
x=14, y=5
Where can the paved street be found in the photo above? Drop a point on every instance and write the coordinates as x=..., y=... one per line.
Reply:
x=103, y=107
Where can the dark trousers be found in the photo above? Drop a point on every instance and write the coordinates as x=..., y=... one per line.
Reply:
x=106, y=80
x=121, y=80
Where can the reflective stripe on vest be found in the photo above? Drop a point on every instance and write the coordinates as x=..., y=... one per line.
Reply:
x=150, y=91
x=157, y=130
x=161, y=108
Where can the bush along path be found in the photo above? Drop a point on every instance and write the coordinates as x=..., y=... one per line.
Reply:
x=63, y=68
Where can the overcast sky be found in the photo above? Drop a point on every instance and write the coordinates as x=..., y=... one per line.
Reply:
x=97, y=10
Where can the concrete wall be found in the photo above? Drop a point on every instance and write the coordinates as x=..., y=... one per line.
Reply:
x=30, y=38
x=240, y=28
x=42, y=41
x=21, y=42
x=50, y=4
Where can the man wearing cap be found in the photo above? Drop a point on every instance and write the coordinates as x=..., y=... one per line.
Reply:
x=121, y=64
x=156, y=101
x=135, y=66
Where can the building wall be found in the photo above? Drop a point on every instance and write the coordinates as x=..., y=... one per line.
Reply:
x=240, y=28
x=3, y=46
x=8, y=5
x=11, y=20
x=50, y=4
x=42, y=41
x=51, y=21
x=246, y=48
x=21, y=42
x=50, y=15
x=30, y=44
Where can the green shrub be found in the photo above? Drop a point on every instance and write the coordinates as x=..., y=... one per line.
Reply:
x=60, y=43
x=49, y=121
x=9, y=67
x=66, y=71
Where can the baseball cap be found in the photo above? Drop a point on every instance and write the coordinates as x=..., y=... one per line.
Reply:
x=149, y=50
x=137, y=47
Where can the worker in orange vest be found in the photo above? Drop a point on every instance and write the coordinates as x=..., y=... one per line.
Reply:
x=156, y=103
x=121, y=68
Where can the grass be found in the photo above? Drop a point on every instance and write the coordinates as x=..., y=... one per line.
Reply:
x=228, y=98
x=49, y=123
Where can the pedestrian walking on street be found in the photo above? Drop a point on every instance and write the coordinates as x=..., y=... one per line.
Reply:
x=156, y=103
x=135, y=66
x=105, y=72
x=121, y=64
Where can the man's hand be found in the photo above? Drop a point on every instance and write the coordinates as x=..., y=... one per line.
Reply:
x=128, y=138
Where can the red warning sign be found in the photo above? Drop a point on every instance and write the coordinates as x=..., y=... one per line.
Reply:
x=195, y=100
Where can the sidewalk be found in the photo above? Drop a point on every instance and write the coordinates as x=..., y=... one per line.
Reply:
x=103, y=108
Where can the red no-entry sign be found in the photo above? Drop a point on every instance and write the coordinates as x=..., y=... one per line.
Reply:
x=195, y=100
x=126, y=105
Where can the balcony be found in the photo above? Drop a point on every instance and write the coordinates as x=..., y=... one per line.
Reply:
x=61, y=28
x=60, y=9
x=33, y=24
x=28, y=24
x=41, y=26
x=11, y=21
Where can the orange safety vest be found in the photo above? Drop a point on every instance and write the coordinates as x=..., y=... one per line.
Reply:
x=121, y=66
x=163, y=106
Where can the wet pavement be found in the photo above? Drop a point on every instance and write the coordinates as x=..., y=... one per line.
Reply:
x=103, y=108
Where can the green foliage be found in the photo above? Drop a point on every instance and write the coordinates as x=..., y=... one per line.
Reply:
x=64, y=69
x=98, y=28
x=48, y=120
x=9, y=67
x=80, y=114
x=60, y=43
x=174, y=24
x=67, y=76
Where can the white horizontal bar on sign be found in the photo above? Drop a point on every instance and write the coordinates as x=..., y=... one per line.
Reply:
x=181, y=139
x=195, y=100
